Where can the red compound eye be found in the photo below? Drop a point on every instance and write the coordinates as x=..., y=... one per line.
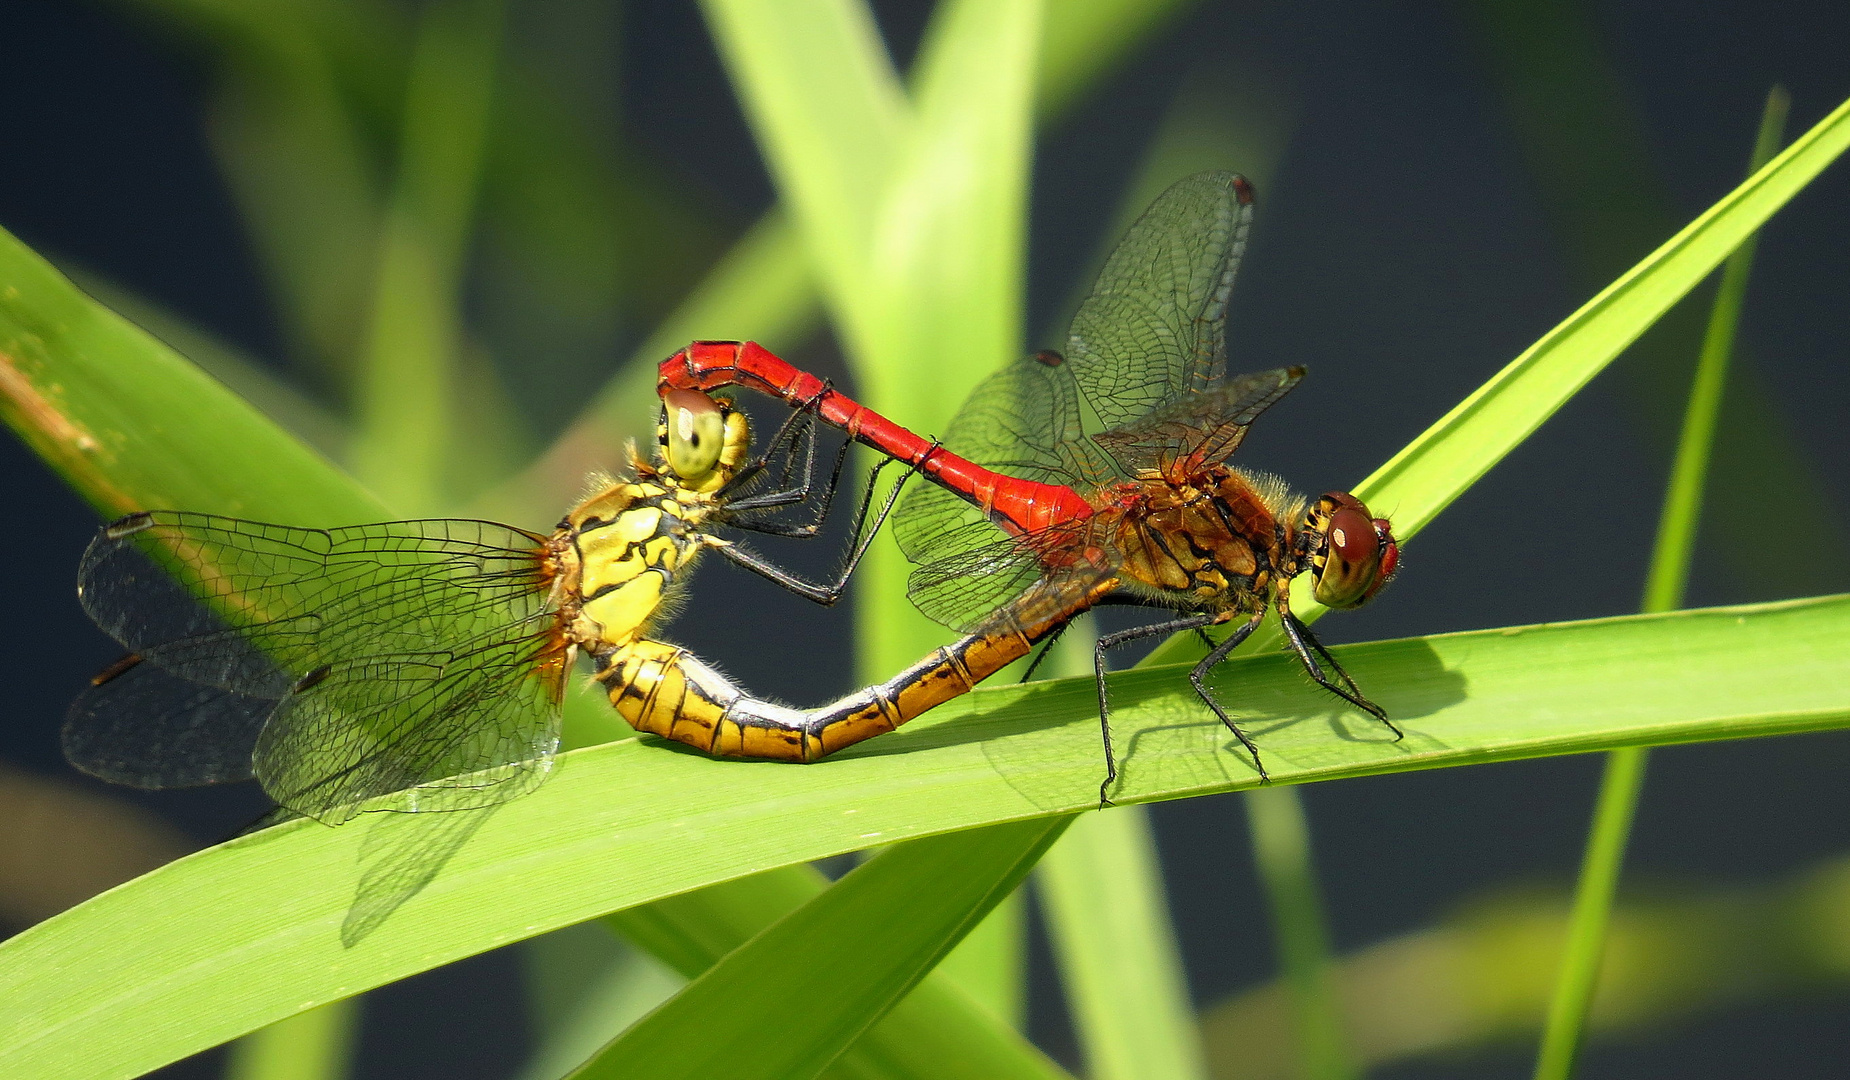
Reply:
x=1352, y=536
x=1359, y=553
x=1390, y=554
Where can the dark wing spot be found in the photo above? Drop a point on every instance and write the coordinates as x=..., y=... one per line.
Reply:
x=310, y=680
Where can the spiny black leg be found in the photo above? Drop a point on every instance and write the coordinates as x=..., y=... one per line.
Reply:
x=787, y=496
x=752, y=520
x=800, y=425
x=1303, y=642
x=1046, y=647
x=1112, y=641
x=825, y=594
x=864, y=541
x=1198, y=676
x=1311, y=640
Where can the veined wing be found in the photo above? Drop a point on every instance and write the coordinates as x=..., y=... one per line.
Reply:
x=1200, y=429
x=1023, y=421
x=1151, y=334
x=338, y=665
x=963, y=590
x=1153, y=329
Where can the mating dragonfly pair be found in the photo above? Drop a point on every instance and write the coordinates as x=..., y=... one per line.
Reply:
x=420, y=665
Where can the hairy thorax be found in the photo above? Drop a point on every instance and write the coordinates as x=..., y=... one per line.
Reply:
x=619, y=555
x=1219, y=539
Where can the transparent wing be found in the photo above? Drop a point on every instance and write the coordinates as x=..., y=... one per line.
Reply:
x=400, y=855
x=1153, y=329
x=963, y=590
x=348, y=663
x=1145, y=353
x=150, y=728
x=1024, y=421
x=1202, y=428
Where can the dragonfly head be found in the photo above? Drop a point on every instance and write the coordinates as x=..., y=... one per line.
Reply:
x=703, y=439
x=1353, y=555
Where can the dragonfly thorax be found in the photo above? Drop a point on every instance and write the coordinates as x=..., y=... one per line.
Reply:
x=619, y=553
x=1221, y=540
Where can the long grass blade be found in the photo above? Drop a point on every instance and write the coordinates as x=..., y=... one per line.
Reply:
x=313, y=1045
x=630, y=823
x=1590, y=153
x=131, y=425
x=943, y=308
x=416, y=333
x=1468, y=985
x=830, y=116
x=847, y=957
x=1620, y=785
x=298, y=161
x=1282, y=853
x=1623, y=778
x=1101, y=887
x=1448, y=457
x=937, y=1032
x=1425, y=477
x=583, y=985
x=1677, y=526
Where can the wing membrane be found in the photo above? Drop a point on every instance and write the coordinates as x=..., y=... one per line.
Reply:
x=963, y=590
x=1024, y=421
x=1153, y=329
x=150, y=728
x=1204, y=428
x=351, y=663
x=1144, y=359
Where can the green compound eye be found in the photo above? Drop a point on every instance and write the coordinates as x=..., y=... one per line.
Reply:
x=696, y=433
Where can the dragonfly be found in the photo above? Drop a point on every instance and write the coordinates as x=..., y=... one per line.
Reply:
x=421, y=665
x=1105, y=468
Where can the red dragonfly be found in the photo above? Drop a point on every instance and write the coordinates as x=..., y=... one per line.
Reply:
x=1106, y=466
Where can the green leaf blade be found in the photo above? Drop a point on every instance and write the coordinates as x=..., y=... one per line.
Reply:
x=630, y=822
x=1425, y=477
x=1102, y=889
x=131, y=425
x=842, y=960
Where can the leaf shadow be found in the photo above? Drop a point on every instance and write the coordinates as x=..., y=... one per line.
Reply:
x=1167, y=739
x=400, y=855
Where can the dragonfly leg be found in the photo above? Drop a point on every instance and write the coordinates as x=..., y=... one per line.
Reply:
x=1112, y=641
x=1046, y=647
x=1308, y=648
x=800, y=426
x=862, y=540
x=1198, y=679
